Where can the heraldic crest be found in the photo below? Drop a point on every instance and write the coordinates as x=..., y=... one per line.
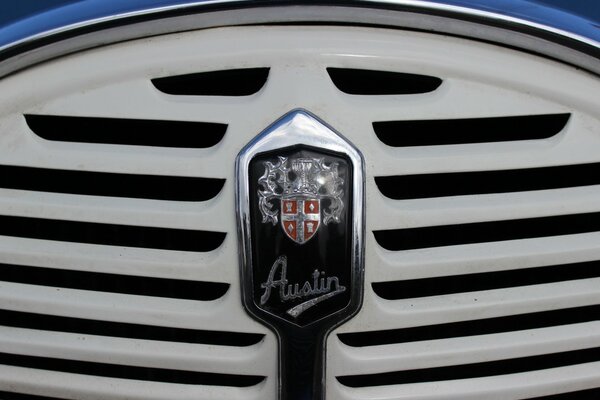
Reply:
x=303, y=186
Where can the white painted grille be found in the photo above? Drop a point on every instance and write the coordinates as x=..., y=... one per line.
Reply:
x=412, y=243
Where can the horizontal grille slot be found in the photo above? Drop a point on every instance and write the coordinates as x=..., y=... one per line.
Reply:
x=485, y=281
x=591, y=394
x=472, y=130
x=232, y=82
x=481, y=232
x=135, y=132
x=485, y=182
x=109, y=234
x=486, y=326
x=45, y=322
x=469, y=371
x=155, y=187
x=103, y=282
x=369, y=82
x=130, y=372
x=21, y=396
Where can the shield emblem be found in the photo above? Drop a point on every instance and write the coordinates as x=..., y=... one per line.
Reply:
x=300, y=218
x=300, y=184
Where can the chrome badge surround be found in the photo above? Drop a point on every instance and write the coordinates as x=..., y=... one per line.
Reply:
x=301, y=344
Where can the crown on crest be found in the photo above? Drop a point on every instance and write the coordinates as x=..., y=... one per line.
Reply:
x=301, y=177
x=301, y=180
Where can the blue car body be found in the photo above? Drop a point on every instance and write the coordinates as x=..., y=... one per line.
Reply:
x=90, y=12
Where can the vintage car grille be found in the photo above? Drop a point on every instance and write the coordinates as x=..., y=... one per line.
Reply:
x=119, y=273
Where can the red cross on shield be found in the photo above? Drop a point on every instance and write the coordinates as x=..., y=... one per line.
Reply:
x=300, y=218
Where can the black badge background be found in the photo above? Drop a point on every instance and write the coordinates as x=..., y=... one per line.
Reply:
x=329, y=250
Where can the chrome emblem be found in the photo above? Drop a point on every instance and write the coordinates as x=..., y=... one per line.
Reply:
x=323, y=288
x=300, y=195
x=300, y=184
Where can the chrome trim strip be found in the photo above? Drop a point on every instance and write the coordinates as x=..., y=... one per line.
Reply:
x=489, y=15
x=404, y=14
x=423, y=4
x=115, y=17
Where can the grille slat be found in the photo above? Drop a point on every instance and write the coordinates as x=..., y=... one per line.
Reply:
x=47, y=322
x=113, y=283
x=487, y=257
x=459, y=307
x=475, y=327
x=424, y=354
x=175, y=188
x=590, y=394
x=470, y=371
x=525, y=385
x=21, y=396
x=482, y=232
x=466, y=211
x=184, y=356
x=121, y=131
x=394, y=290
x=110, y=234
x=486, y=182
x=376, y=83
x=178, y=215
x=130, y=372
x=216, y=315
x=152, y=263
x=473, y=130
x=233, y=82
x=81, y=386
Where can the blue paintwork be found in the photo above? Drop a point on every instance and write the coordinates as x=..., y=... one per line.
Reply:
x=93, y=9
